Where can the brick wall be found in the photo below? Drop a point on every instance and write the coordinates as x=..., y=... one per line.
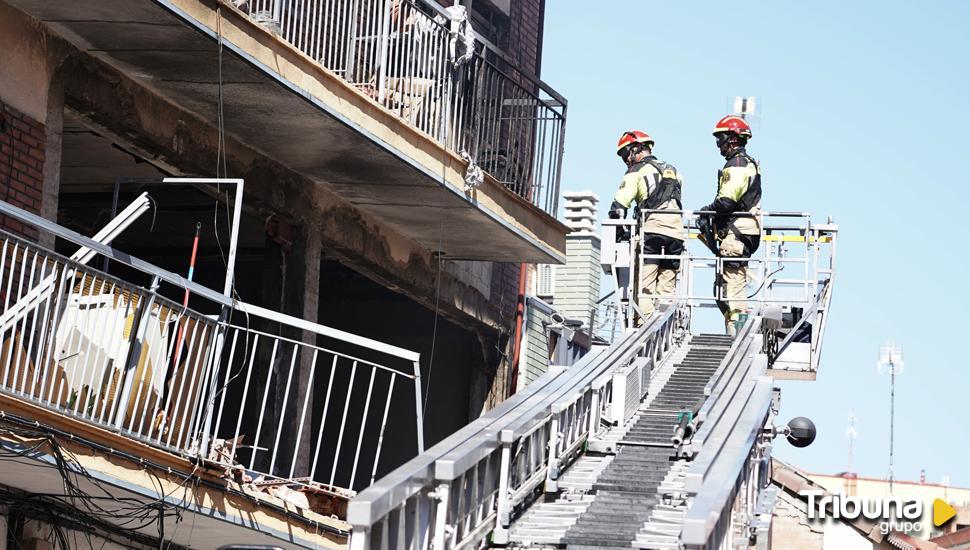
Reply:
x=519, y=34
x=524, y=40
x=790, y=528
x=505, y=291
x=504, y=295
x=22, y=149
x=577, y=284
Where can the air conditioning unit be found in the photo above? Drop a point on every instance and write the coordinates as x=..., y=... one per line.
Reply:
x=545, y=281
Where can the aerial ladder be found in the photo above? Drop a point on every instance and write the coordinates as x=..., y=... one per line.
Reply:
x=661, y=439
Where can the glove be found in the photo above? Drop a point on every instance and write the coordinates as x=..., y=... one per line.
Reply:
x=704, y=223
x=617, y=211
x=706, y=228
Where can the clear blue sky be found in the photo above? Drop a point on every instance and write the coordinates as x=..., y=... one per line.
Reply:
x=865, y=117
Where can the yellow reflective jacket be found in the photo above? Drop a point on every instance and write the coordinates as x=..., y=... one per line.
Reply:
x=734, y=180
x=639, y=181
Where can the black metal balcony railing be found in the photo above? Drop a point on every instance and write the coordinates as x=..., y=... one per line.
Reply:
x=407, y=55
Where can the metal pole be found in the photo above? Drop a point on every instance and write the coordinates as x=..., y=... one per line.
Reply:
x=632, y=286
x=185, y=299
x=303, y=414
x=277, y=14
x=380, y=437
x=323, y=418
x=384, y=32
x=418, y=406
x=594, y=414
x=560, y=152
x=343, y=422
x=224, y=314
x=114, y=212
x=363, y=427
x=134, y=353
x=892, y=411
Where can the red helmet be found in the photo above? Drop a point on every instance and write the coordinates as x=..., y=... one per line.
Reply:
x=735, y=124
x=631, y=137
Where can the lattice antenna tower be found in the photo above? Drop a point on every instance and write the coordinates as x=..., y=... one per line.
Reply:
x=891, y=362
x=850, y=432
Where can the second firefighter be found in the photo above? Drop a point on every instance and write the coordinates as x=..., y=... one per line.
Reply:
x=655, y=187
x=736, y=221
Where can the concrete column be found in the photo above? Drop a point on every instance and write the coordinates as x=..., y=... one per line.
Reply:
x=52, y=158
x=291, y=284
x=310, y=277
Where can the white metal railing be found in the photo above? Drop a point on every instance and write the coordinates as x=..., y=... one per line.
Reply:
x=794, y=259
x=791, y=273
x=220, y=387
x=474, y=482
x=425, y=64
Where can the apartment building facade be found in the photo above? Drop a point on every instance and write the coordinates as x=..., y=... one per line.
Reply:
x=363, y=179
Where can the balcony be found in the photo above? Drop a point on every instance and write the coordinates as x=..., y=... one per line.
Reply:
x=390, y=104
x=261, y=408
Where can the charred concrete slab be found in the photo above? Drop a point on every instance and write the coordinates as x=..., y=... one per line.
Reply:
x=283, y=104
x=198, y=505
x=42, y=68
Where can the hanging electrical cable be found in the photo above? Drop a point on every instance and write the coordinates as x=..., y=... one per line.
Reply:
x=434, y=329
x=134, y=513
x=222, y=171
x=104, y=515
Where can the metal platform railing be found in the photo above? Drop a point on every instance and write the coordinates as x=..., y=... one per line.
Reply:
x=790, y=277
x=470, y=484
x=794, y=259
x=425, y=64
x=219, y=387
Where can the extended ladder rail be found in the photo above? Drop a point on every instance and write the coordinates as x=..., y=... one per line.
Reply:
x=468, y=484
x=728, y=475
x=726, y=383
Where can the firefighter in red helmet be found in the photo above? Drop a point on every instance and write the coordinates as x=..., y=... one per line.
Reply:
x=655, y=186
x=738, y=236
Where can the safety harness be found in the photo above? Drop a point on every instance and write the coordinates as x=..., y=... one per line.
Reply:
x=666, y=189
